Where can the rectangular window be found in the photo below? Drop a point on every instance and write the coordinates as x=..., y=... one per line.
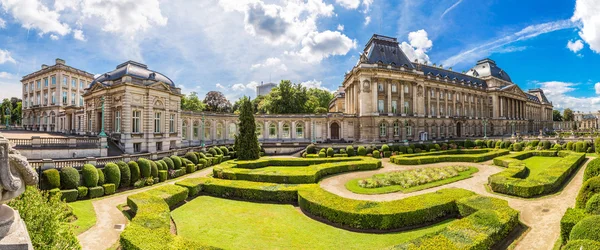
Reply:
x=136, y=121
x=409, y=130
x=137, y=147
x=157, y=122
x=65, y=81
x=26, y=87
x=449, y=96
x=380, y=87
x=118, y=121
x=31, y=86
x=432, y=92
x=73, y=99
x=45, y=98
x=380, y=106
x=53, y=97
x=45, y=82
x=172, y=123
x=433, y=110
x=64, y=98
x=38, y=100
x=53, y=80
x=406, y=107
x=458, y=97
x=394, y=89
x=39, y=84
x=159, y=146
x=80, y=101
x=394, y=106
x=441, y=95
x=81, y=83
x=74, y=82
x=405, y=88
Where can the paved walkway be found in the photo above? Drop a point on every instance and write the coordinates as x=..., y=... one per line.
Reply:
x=542, y=215
x=104, y=235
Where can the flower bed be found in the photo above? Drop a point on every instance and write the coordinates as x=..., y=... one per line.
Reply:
x=456, y=155
x=515, y=180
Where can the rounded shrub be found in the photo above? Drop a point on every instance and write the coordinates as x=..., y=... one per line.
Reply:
x=437, y=147
x=224, y=150
x=153, y=169
x=112, y=174
x=579, y=147
x=511, y=148
x=376, y=154
x=311, y=149
x=50, y=179
x=69, y=178
x=402, y=149
x=517, y=147
x=162, y=165
x=362, y=151
x=589, y=189
x=385, y=148
x=546, y=144
x=169, y=162
x=468, y=143
x=597, y=145
x=498, y=144
x=593, y=205
x=101, y=178
x=350, y=151
x=479, y=143
x=581, y=245
x=90, y=175
x=125, y=174
x=176, y=162
x=586, y=229
x=135, y=171
x=219, y=151
x=570, y=145
x=322, y=155
x=192, y=157
x=212, y=151
x=369, y=150
x=409, y=150
x=144, y=165
x=592, y=169
x=330, y=152
x=490, y=143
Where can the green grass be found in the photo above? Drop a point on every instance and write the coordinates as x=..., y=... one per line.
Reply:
x=233, y=224
x=538, y=164
x=86, y=216
x=354, y=187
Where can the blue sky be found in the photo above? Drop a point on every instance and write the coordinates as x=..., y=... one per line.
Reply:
x=232, y=45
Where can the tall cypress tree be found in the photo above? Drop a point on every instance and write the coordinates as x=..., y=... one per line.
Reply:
x=246, y=143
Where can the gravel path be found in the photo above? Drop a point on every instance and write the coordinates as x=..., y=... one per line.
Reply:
x=541, y=215
x=104, y=234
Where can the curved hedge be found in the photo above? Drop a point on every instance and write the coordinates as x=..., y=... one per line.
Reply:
x=593, y=205
x=90, y=175
x=589, y=189
x=145, y=167
x=69, y=178
x=177, y=163
x=315, y=169
x=587, y=229
x=51, y=179
x=153, y=169
x=125, y=174
x=101, y=177
x=582, y=244
x=112, y=174
x=592, y=169
x=454, y=155
x=134, y=170
x=192, y=157
x=515, y=180
x=169, y=162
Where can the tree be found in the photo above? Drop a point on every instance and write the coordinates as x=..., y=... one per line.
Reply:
x=319, y=98
x=191, y=102
x=216, y=102
x=568, y=115
x=556, y=116
x=246, y=143
x=6, y=105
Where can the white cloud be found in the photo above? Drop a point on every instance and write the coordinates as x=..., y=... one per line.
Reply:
x=417, y=47
x=597, y=88
x=33, y=14
x=314, y=84
x=575, y=46
x=348, y=4
x=6, y=57
x=78, y=34
x=319, y=45
x=6, y=75
x=340, y=27
x=367, y=20
x=561, y=96
x=54, y=37
x=10, y=85
x=2, y=23
x=450, y=8
x=220, y=86
x=587, y=14
x=483, y=50
x=271, y=63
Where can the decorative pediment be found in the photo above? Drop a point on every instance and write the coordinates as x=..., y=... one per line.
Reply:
x=96, y=86
x=160, y=86
x=514, y=89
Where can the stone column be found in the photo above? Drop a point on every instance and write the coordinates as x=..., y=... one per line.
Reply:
x=401, y=85
x=415, y=97
x=375, y=96
x=428, y=106
x=389, y=97
x=455, y=94
x=437, y=98
x=446, y=103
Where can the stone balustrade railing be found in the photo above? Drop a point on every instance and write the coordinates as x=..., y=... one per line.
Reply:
x=56, y=142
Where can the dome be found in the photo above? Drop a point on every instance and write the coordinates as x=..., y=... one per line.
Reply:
x=488, y=67
x=135, y=70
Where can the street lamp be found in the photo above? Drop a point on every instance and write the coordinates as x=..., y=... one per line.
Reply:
x=202, y=132
x=7, y=115
x=313, y=132
x=485, y=122
x=102, y=134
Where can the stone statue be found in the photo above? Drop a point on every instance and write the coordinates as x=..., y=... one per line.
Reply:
x=15, y=174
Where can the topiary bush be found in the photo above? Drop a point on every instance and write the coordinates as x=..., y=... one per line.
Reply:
x=468, y=143
x=546, y=145
x=224, y=150
x=153, y=170
x=592, y=169
x=139, y=183
x=517, y=147
x=581, y=245
x=587, y=229
x=311, y=149
x=593, y=205
x=144, y=166
x=597, y=145
x=376, y=154
x=69, y=195
x=69, y=178
x=385, y=148
x=125, y=174
x=580, y=147
x=177, y=164
x=330, y=152
x=169, y=162
x=90, y=175
x=212, y=151
x=82, y=192
x=350, y=151
x=570, y=145
x=109, y=189
x=322, y=155
x=94, y=192
x=218, y=150
x=192, y=157
x=101, y=178
x=362, y=151
x=112, y=174
x=589, y=189
x=135, y=171
x=162, y=175
x=50, y=179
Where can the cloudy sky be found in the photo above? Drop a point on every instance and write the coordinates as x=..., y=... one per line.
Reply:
x=233, y=45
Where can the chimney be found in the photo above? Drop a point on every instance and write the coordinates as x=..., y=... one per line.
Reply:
x=60, y=61
x=44, y=66
x=450, y=68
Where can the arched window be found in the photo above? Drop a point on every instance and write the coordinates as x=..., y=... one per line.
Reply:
x=195, y=131
x=259, y=130
x=382, y=129
x=207, y=131
x=396, y=129
x=286, y=130
x=433, y=131
x=272, y=130
x=219, y=131
x=184, y=130
x=409, y=131
x=232, y=130
x=299, y=130
x=442, y=130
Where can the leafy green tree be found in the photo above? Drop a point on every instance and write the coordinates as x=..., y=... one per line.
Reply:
x=246, y=143
x=556, y=116
x=568, y=115
x=191, y=102
x=215, y=101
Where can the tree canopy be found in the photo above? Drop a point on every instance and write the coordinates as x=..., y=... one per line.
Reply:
x=215, y=101
x=191, y=102
x=568, y=115
x=556, y=116
x=293, y=98
x=14, y=106
x=246, y=143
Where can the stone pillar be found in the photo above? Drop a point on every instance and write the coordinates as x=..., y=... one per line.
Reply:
x=389, y=97
x=455, y=94
x=428, y=106
x=415, y=97
x=401, y=85
x=437, y=100
x=375, y=99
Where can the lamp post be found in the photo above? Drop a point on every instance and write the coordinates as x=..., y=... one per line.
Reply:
x=202, y=132
x=102, y=134
x=7, y=115
x=485, y=122
x=313, y=132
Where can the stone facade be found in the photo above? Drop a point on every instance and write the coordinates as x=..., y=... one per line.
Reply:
x=52, y=98
x=581, y=122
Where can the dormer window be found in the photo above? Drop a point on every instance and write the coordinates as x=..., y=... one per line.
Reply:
x=152, y=75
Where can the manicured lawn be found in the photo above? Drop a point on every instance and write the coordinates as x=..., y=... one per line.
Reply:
x=86, y=216
x=234, y=224
x=354, y=187
x=538, y=164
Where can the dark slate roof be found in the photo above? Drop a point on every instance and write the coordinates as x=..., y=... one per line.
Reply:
x=532, y=97
x=544, y=99
x=386, y=50
x=133, y=69
x=589, y=116
x=487, y=67
x=451, y=75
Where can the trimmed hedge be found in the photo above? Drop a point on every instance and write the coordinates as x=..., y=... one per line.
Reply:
x=589, y=189
x=125, y=174
x=109, y=188
x=69, y=195
x=192, y=157
x=82, y=192
x=587, y=229
x=350, y=151
x=568, y=221
x=94, y=192
x=582, y=245
x=112, y=174
x=339, y=155
x=316, y=168
x=593, y=205
x=145, y=167
x=50, y=179
x=190, y=168
x=153, y=169
x=169, y=162
x=376, y=154
x=135, y=171
x=361, y=151
x=515, y=180
x=592, y=169
x=177, y=164
x=453, y=155
x=162, y=175
x=90, y=175
x=101, y=178
x=253, y=191
x=69, y=178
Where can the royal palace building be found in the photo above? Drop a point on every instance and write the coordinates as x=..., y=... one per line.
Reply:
x=384, y=98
